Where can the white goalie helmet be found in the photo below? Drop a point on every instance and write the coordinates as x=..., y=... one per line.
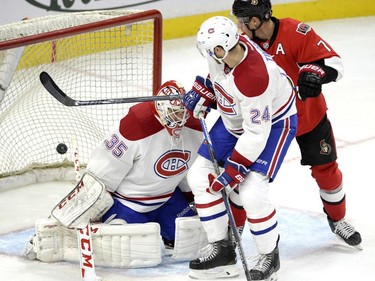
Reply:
x=217, y=31
x=172, y=114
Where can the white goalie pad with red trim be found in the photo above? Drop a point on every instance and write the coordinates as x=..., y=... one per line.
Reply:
x=119, y=246
x=189, y=239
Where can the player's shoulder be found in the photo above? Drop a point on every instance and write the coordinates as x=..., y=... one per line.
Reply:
x=251, y=75
x=139, y=122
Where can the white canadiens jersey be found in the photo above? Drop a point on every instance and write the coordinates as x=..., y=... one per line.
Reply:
x=138, y=162
x=251, y=97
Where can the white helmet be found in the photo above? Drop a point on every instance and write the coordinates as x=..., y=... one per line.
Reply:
x=172, y=114
x=217, y=31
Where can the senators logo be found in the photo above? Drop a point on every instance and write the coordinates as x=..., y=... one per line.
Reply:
x=325, y=148
x=172, y=163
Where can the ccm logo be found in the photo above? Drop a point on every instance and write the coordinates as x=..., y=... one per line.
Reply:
x=71, y=195
x=86, y=250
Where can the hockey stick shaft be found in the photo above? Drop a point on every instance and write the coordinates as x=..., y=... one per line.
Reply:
x=225, y=197
x=50, y=85
x=84, y=239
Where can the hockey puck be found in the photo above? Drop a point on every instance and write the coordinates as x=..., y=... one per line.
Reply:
x=61, y=148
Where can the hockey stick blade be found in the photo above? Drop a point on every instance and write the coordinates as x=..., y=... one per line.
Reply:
x=50, y=85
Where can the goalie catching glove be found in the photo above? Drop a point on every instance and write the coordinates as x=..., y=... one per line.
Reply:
x=233, y=175
x=200, y=97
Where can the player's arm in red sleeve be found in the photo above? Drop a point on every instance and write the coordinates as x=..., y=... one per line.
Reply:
x=319, y=63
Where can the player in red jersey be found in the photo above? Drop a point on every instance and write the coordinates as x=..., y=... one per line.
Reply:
x=310, y=62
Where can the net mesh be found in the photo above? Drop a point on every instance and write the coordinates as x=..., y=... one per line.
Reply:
x=98, y=61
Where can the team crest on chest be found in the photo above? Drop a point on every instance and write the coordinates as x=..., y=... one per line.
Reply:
x=224, y=101
x=172, y=163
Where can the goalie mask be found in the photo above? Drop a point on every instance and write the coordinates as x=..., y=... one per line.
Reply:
x=172, y=114
x=217, y=31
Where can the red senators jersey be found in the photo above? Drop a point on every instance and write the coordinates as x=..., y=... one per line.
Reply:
x=292, y=44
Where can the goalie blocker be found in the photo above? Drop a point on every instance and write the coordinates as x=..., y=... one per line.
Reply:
x=89, y=200
x=114, y=245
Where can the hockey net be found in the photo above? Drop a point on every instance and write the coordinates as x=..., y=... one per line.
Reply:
x=90, y=55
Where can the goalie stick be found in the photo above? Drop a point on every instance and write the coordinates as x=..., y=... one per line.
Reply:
x=50, y=85
x=84, y=239
x=225, y=197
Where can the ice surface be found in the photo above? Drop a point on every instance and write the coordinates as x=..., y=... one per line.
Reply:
x=308, y=249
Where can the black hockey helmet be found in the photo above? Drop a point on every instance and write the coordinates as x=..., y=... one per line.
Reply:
x=246, y=9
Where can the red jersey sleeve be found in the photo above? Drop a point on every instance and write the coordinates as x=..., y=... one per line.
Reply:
x=297, y=43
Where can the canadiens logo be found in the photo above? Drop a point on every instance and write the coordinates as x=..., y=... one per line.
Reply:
x=325, y=148
x=225, y=101
x=172, y=163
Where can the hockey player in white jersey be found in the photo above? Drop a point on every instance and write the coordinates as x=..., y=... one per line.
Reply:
x=144, y=160
x=135, y=179
x=257, y=123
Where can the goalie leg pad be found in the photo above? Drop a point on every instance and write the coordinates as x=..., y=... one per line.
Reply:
x=120, y=246
x=88, y=200
x=189, y=239
x=50, y=239
x=128, y=245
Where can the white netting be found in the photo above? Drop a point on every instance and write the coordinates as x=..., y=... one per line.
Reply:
x=98, y=61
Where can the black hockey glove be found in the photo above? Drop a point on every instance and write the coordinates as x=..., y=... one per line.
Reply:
x=311, y=78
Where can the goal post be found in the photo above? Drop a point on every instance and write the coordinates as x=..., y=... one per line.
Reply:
x=91, y=55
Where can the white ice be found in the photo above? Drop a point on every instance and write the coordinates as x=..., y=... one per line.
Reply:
x=308, y=249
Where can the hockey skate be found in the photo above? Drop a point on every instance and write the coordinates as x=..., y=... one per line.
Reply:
x=168, y=247
x=218, y=260
x=267, y=266
x=346, y=232
x=28, y=249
